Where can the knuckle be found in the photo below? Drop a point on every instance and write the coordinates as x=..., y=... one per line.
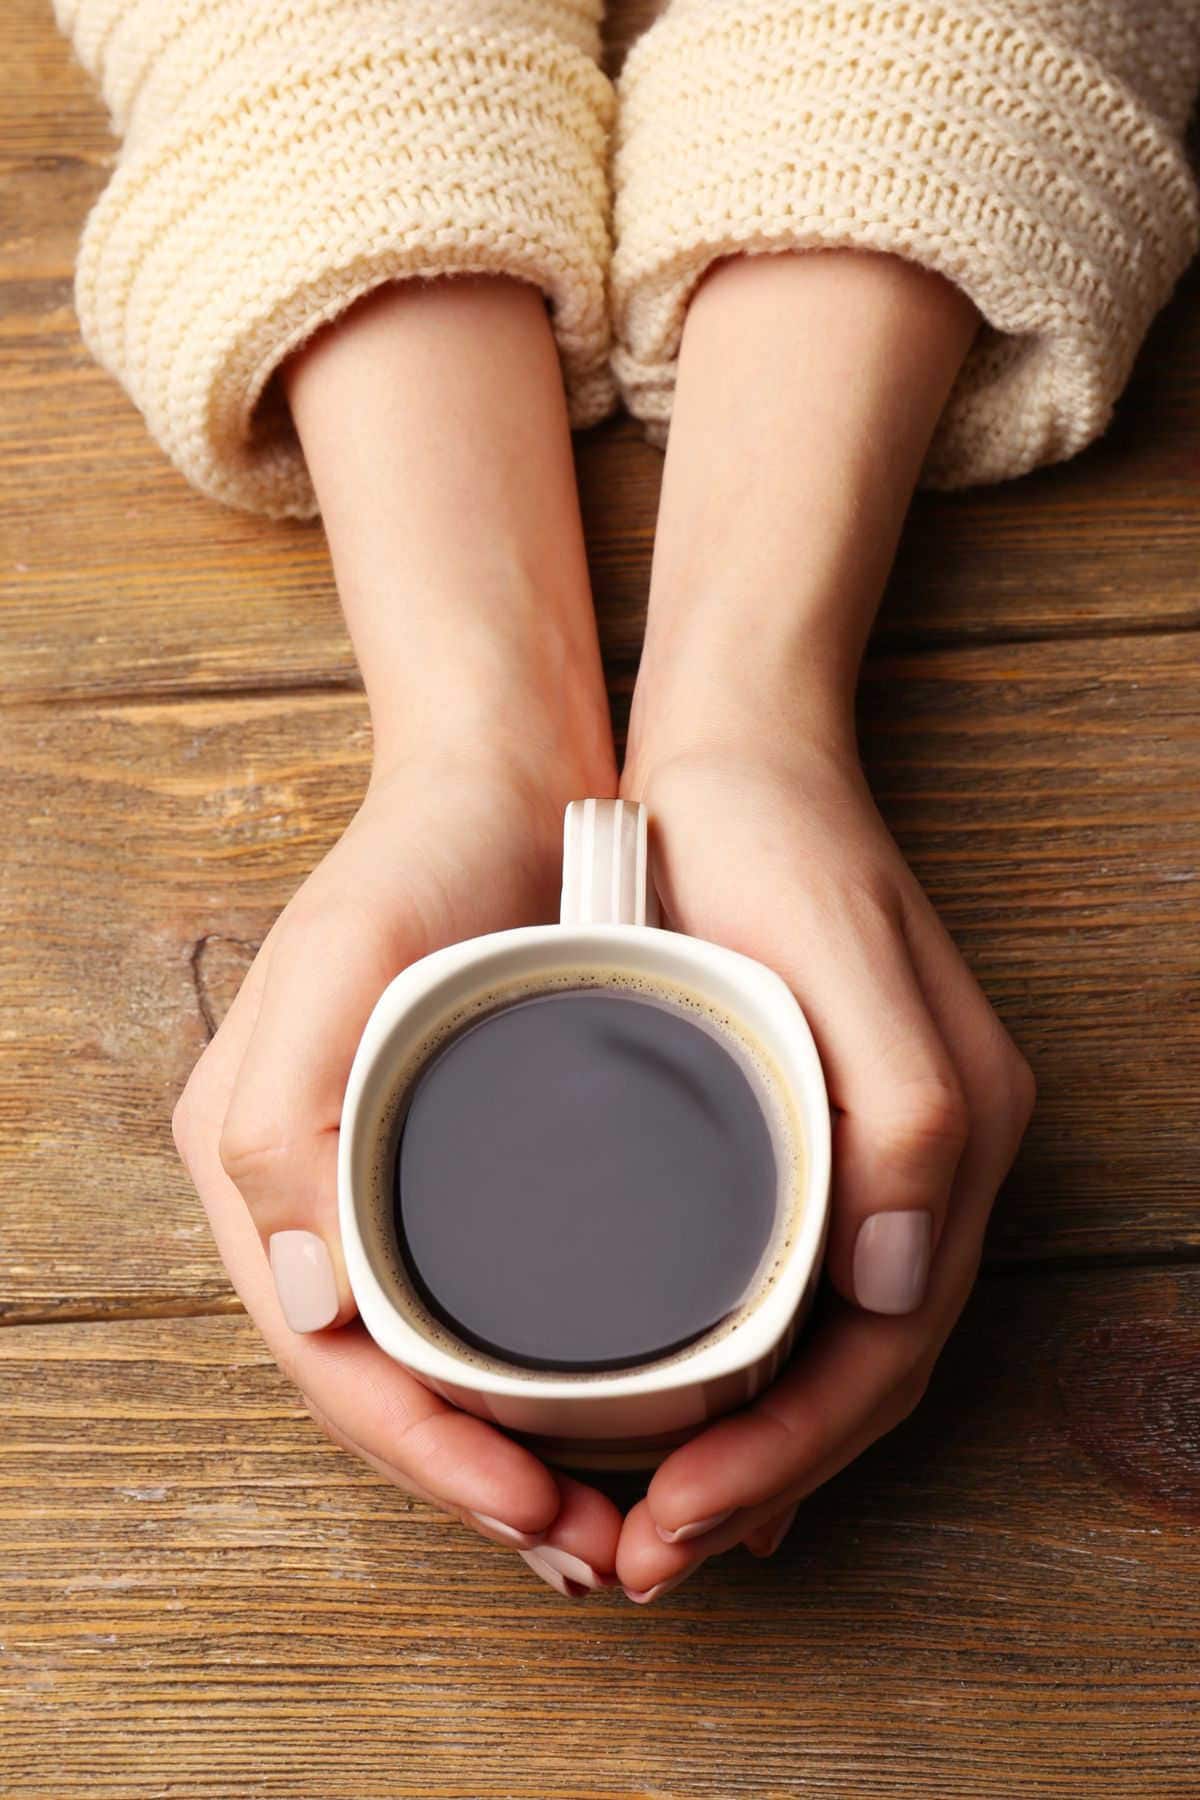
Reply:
x=310, y=916
x=253, y=1160
x=869, y=902
x=188, y=1110
x=931, y=1115
x=181, y=1123
x=1007, y=1088
x=1022, y=1089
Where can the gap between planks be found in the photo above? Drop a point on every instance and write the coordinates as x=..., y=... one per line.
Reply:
x=221, y=1305
x=620, y=668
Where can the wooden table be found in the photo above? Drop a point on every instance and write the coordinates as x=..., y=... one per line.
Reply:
x=203, y=1599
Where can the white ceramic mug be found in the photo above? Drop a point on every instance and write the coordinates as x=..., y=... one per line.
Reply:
x=616, y=1418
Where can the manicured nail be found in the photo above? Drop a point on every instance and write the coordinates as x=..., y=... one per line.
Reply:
x=644, y=1596
x=573, y=1567
x=697, y=1528
x=781, y=1530
x=891, y=1261
x=565, y=1573
x=304, y=1279
x=524, y=1540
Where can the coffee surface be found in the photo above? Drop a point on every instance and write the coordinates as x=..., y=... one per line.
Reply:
x=584, y=1179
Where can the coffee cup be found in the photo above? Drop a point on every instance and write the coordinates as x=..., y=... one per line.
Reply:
x=608, y=939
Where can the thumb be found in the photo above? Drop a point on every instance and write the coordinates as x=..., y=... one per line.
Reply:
x=279, y=1140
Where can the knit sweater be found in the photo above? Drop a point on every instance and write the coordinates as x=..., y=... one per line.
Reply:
x=281, y=159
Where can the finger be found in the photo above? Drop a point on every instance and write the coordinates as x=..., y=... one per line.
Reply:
x=856, y=1379
x=646, y=1561
x=998, y=1082
x=578, y=1555
x=774, y=1519
x=648, y=1568
x=850, y=1386
x=337, y=1436
x=494, y=1530
x=279, y=1139
x=902, y=1116
x=842, y=1377
x=455, y=1459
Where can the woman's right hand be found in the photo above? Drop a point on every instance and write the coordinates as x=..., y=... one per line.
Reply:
x=434, y=425
x=438, y=852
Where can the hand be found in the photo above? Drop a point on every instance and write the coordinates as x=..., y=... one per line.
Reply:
x=439, y=851
x=781, y=854
x=434, y=425
x=808, y=389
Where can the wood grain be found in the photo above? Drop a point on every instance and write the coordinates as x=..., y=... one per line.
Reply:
x=199, y=1598
x=1045, y=794
x=204, y=1600
x=1046, y=797
x=115, y=578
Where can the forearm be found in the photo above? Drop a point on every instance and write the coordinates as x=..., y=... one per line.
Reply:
x=809, y=387
x=434, y=425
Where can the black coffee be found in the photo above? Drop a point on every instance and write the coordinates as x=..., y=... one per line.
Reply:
x=584, y=1179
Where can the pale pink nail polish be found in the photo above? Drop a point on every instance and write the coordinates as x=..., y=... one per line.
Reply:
x=523, y=1540
x=304, y=1279
x=555, y=1576
x=891, y=1261
x=573, y=1567
x=696, y=1529
x=644, y=1597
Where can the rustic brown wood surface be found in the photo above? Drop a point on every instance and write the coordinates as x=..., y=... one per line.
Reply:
x=198, y=1597
x=205, y=1600
x=1045, y=793
x=213, y=599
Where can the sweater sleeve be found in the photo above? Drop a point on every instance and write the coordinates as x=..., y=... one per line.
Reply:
x=279, y=160
x=1028, y=150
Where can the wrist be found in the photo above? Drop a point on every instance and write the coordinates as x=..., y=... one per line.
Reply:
x=808, y=389
x=433, y=419
x=748, y=716
x=739, y=667
x=497, y=682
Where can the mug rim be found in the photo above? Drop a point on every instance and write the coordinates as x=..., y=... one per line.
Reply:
x=655, y=950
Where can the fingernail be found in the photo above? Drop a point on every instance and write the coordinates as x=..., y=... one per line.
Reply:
x=781, y=1530
x=644, y=1596
x=697, y=1528
x=566, y=1574
x=524, y=1540
x=891, y=1261
x=573, y=1567
x=304, y=1279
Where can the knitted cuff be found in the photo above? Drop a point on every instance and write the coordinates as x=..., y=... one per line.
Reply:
x=1008, y=159
x=280, y=161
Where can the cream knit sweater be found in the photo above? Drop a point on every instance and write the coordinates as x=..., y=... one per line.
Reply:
x=281, y=157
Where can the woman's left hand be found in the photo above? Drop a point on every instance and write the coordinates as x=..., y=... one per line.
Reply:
x=778, y=851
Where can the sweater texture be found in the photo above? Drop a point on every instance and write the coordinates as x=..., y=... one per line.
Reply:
x=279, y=160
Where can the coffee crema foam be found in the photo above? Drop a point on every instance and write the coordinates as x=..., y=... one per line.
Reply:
x=769, y=1088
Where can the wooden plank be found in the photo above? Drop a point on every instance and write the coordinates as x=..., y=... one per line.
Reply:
x=1044, y=793
x=1046, y=797
x=151, y=845
x=114, y=578
x=203, y=1599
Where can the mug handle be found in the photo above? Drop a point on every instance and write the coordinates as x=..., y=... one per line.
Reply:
x=606, y=866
